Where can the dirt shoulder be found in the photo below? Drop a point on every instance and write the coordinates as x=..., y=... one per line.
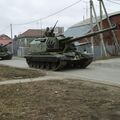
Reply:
x=9, y=73
x=59, y=100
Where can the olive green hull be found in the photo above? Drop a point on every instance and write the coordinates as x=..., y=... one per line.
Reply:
x=59, y=62
x=6, y=56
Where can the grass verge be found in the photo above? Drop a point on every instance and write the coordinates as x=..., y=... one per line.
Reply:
x=59, y=100
x=8, y=73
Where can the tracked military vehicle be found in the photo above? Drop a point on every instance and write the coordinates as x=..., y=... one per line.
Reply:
x=57, y=53
x=5, y=54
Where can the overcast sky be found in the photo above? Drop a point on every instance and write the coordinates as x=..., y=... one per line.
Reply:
x=24, y=11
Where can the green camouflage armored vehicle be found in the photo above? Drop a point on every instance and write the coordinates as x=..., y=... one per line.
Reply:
x=56, y=53
x=4, y=53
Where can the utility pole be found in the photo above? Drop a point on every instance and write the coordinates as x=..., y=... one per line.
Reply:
x=11, y=31
x=101, y=14
x=86, y=9
x=98, y=26
x=41, y=26
x=91, y=25
x=103, y=48
x=109, y=22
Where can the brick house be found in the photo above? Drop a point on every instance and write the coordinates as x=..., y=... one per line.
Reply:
x=83, y=28
x=22, y=41
x=4, y=40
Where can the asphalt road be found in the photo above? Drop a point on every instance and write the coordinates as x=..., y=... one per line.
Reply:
x=103, y=71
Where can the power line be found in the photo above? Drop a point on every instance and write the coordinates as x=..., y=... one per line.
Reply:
x=2, y=30
x=50, y=14
x=117, y=0
x=113, y=2
x=98, y=5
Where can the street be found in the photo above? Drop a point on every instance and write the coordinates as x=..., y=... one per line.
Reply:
x=102, y=71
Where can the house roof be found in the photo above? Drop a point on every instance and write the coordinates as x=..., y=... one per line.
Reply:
x=87, y=21
x=4, y=39
x=5, y=42
x=32, y=33
x=83, y=27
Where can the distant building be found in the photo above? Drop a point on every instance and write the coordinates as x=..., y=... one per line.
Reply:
x=83, y=28
x=22, y=41
x=4, y=40
x=58, y=31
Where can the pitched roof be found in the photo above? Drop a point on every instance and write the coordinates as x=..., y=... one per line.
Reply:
x=32, y=33
x=5, y=42
x=83, y=27
x=4, y=39
x=87, y=21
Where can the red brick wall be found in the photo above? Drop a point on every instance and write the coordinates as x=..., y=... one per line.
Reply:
x=108, y=35
x=108, y=38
